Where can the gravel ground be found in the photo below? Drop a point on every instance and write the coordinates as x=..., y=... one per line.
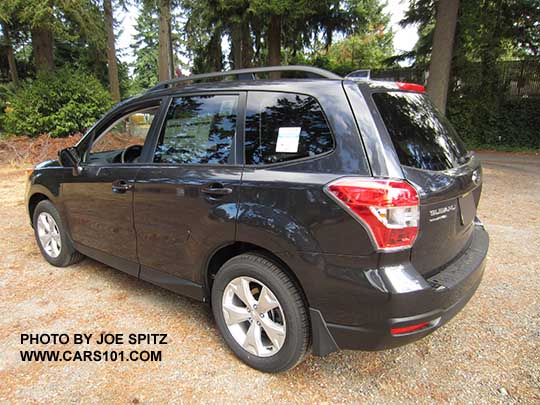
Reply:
x=489, y=353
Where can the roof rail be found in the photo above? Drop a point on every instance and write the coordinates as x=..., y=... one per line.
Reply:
x=249, y=74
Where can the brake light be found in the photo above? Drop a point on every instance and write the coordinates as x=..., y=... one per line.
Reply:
x=389, y=208
x=411, y=87
x=406, y=329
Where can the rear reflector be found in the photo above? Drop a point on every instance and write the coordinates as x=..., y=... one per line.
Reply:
x=389, y=208
x=407, y=329
x=411, y=87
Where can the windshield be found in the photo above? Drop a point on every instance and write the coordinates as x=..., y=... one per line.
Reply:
x=423, y=137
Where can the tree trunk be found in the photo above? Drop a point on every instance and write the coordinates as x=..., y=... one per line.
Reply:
x=274, y=44
x=215, y=55
x=441, y=54
x=111, y=52
x=164, y=38
x=171, y=50
x=236, y=45
x=242, y=47
x=328, y=40
x=491, y=50
x=42, y=46
x=247, y=44
x=10, y=56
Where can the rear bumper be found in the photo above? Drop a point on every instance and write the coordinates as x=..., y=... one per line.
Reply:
x=434, y=300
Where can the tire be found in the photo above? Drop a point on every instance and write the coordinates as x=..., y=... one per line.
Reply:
x=285, y=350
x=58, y=254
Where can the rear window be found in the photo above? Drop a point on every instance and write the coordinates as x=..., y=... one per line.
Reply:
x=423, y=137
x=282, y=126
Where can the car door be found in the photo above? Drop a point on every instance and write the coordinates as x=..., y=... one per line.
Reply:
x=186, y=200
x=98, y=198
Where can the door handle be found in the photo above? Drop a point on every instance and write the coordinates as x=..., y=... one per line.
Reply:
x=121, y=186
x=216, y=189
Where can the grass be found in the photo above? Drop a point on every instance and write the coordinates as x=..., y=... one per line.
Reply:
x=504, y=148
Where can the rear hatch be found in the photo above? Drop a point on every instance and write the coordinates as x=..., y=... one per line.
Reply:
x=447, y=178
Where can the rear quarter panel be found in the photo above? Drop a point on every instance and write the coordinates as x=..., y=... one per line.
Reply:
x=284, y=209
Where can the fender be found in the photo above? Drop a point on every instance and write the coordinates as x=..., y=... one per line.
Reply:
x=273, y=229
x=50, y=186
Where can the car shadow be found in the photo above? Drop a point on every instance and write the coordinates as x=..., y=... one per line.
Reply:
x=161, y=301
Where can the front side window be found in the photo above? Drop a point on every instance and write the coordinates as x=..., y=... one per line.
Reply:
x=282, y=127
x=199, y=130
x=122, y=142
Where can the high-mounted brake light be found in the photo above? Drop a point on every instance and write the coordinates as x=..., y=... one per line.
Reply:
x=389, y=208
x=411, y=87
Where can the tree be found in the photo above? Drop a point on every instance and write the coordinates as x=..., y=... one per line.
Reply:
x=45, y=20
x=281, y=14
x=368, y=50
x=165, y=64
x=235, y=18
x=112, y=66
x=272, y=32
x=145, y=49
x=497, y=26
x=487, y=33
x=274, y=40
x=42, y=46
x=441, y=55
x=10, y=55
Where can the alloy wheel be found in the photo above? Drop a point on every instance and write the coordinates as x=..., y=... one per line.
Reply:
x=254, y=316
x=49, y=234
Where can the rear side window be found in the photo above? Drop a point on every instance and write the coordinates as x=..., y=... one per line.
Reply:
x=199, y=130
x=423, y=137
x=282, y=127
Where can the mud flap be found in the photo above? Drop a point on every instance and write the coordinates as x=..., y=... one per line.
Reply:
x=323, y=342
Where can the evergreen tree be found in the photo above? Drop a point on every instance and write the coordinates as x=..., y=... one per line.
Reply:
x=45, y=20
x=272, y=32
x=112, y=65
x=145, y=49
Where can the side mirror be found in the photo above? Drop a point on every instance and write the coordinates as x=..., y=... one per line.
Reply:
x=69, y=157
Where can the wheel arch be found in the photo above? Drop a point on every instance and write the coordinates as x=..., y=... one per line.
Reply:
x=227, y=252
x=33, y=201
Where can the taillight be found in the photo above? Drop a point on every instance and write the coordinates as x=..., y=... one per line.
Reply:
x=389, y=208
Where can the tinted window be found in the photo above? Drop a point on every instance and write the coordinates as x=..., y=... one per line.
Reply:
x=198, y=129
x=423, y=138
x=281, y=127
x=130, y=130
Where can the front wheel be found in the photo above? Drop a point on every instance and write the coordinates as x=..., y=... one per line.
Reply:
x=52, y=238
x=260, y=313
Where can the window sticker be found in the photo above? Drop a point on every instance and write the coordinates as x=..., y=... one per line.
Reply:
x=288, y=139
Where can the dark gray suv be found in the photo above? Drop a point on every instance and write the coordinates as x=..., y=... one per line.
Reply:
x=309, y=210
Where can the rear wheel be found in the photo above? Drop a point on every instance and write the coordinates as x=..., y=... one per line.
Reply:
x=51, y=237
x=260, y=313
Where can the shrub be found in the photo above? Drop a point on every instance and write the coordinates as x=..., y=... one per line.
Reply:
x=512, y=123
x=59, y=103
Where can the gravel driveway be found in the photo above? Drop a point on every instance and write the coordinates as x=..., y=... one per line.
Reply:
x=489, y=353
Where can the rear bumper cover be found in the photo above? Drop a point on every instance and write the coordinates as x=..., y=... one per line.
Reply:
x=436, y=300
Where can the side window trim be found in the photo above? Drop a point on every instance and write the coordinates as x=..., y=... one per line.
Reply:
x=239, y=154
x=109, y=121
x=238, y=141
x=150, y=145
